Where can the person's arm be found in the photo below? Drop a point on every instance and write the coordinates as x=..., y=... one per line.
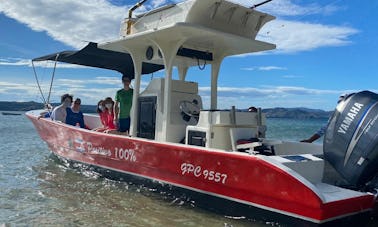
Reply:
x=65, y=112
x=311, y=139
x=52, y=116
x=116, y=110
x=81, y=121
x=317, y=135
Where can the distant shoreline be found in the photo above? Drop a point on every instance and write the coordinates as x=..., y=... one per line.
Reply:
x=26, y=106
x=278, y=112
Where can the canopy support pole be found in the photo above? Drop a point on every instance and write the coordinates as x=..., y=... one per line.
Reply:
x=52, y=80
x=169, y=50
x=137, y=59
x=215, y=66
x=182, y=70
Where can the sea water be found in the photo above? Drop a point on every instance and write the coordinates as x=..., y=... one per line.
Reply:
x=38, y=190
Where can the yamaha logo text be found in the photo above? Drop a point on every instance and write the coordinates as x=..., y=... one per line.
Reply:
x=350, y=117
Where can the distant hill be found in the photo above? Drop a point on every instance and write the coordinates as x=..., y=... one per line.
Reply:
x=296, y=113
x=20, y=106
x=26, y=106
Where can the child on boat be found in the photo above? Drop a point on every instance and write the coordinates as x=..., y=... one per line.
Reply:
x=106, y=113
x=60, y=113
x=74, y=115
x=122, y=106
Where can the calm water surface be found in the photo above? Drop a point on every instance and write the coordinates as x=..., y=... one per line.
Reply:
x=38, y=190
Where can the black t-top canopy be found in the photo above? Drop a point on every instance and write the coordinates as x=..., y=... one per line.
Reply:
x=92, y=56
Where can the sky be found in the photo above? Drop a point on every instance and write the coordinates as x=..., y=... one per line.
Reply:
x=324, y=48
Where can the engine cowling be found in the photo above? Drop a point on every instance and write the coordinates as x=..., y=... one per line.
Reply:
x=351, y=139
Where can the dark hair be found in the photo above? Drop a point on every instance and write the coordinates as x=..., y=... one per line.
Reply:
x=108, y=99
x=63, y=97
x=98, y=109
x=77, y=100
x=124, y=78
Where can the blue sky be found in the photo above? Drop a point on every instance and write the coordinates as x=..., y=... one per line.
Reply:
x=324, y=49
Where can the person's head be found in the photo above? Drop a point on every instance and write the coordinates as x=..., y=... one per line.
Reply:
x=66, y=99
x=252, y=109
x=341, y=98
x=108, y=103
x=126, y=80
x=76, y=104
x=344, y=96
x=100, y=106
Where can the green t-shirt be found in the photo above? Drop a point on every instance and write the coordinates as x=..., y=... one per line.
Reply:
x=125, y=99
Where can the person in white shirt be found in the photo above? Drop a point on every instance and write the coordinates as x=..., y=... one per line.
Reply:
x=59, y=113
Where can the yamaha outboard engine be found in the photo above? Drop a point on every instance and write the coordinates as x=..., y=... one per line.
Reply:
x=351, y=139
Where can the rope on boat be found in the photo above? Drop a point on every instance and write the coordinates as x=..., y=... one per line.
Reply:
x=39, y=86
x=52, y=79
x=46, y=102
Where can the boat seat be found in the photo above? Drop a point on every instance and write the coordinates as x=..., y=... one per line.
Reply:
x=248, y=145
x=257, y=146
x=242, y=133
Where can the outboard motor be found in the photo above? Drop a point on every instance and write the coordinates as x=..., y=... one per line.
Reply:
x=351, y=139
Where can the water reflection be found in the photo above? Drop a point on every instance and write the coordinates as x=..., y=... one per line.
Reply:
x=75, y=199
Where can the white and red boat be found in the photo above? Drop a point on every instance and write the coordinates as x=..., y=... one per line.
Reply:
x=175, y=141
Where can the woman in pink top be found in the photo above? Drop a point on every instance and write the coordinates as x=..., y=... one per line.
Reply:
x=109, y=113
x=101, y=110
x=106, y=113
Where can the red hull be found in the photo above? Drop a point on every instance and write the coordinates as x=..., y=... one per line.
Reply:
x=229, y=175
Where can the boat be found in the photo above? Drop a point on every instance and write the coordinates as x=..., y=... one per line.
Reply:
x=10, y=113
x=221, y=155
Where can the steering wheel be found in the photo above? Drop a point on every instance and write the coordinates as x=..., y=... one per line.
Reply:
x=190, y=109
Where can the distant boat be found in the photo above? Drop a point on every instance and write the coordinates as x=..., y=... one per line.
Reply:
x=8, y=113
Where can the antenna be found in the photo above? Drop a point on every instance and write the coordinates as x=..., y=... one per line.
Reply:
x=260, y=4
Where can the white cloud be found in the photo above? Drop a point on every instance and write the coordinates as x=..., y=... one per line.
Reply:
x=114, y=81
x=264, y=68
x=69, y=21
x=289, y=8
x=41, y=64
x=268, y=90
x=77, y=22
x=25, y=89
x=291, y=34
x=88, y=96
x=8, y=84
x=15, y=62
x=291, y=76
x=295, y=36
x=272, y=96
x=269, y=68
x=263, y=96
x=157, y=3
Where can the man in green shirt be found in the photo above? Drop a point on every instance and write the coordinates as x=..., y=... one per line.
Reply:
x=122, y=106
